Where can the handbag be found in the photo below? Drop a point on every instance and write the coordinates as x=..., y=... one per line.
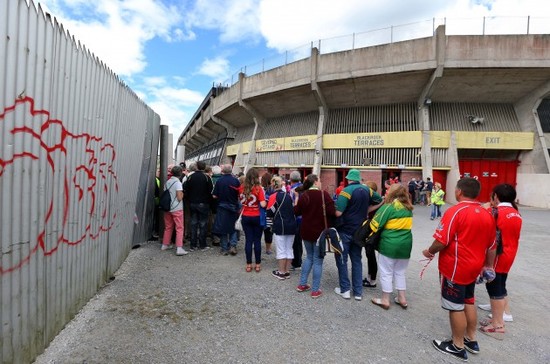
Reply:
x=238, y=223
x=263, y=218
x=329, y=240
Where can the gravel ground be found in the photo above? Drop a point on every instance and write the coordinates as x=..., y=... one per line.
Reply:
x=204, y=308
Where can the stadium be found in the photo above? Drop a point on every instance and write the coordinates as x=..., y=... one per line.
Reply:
x=442, y=106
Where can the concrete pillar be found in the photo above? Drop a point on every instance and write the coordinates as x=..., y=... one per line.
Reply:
x=454, y=174
x=323, y=112
x=536, y=160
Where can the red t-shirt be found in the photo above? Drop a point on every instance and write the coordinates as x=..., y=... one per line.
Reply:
x=467, y=230
x=252, y=205
x=509, y=222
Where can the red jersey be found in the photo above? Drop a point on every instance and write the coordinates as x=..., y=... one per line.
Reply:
x=467, y=230
x=251, y=205
x=509, y=222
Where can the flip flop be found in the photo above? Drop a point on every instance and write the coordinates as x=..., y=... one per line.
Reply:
x=403, y=305
x=485, y=322
x=378, y=302
x=494, y=332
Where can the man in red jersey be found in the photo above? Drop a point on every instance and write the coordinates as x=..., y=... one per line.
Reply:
x=464, y=240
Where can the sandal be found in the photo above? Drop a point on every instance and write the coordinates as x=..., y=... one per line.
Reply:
x=494, y=332
x=378, y=302
x=258, y=268
x=403, y=305
x=485, y=322
x=249, y=268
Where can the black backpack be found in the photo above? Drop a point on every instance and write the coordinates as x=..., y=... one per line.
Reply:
x=366, y=238
x=165, y=202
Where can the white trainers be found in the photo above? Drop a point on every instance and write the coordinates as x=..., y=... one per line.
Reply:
x=181, y=251
x=486, y=307
x=505, y=316
x=345, y=295
x=166, y=247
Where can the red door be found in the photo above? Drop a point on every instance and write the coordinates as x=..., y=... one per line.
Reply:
x=490, y=173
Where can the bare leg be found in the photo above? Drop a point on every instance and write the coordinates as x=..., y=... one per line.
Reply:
x=497, y=308
x=281, y=263
x=471, y=321
x=386, y=298
x=458, y=327
x=401, y=297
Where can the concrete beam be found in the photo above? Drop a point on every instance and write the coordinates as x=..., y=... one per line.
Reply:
x=230, y=129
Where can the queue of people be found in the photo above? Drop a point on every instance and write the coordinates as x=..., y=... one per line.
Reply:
x=475, y=243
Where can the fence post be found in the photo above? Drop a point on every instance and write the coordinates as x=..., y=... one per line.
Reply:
x=528, y=21
x=483, y=25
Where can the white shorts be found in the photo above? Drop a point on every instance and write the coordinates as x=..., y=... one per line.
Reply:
x=284, y=246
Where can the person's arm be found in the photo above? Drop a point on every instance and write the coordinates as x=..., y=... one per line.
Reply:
x=490, y=257
x=179, y=195
x=261, y=197
x=375, y=207
x=329, y=206
x=435, y=248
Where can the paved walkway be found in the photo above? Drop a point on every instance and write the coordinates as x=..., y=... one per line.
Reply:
x=204, y=308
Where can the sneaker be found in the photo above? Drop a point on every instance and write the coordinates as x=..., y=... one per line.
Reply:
x=505, y=316
x=233, y=250
x=345, y=295
x=278, y=275
x=224, y=253
x=203, y=249
x=447, y=347
x=486, y=307
x=316, y=294
x=166, y=247
x=471, y=345
x=181, y=251
x=303, y=288
x=192, y=249
x=358, y=298
x=369, y=284
x=295, y=268
x=287, y=275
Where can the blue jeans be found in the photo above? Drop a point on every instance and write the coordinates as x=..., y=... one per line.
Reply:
x=228, y=240
x=312, y=261
x=199, y=221
x=354, y=252
x=253, y=238
x=436, y=211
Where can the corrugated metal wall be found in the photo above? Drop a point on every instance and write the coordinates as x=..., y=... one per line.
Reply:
x=75, y=195
x=455, y=116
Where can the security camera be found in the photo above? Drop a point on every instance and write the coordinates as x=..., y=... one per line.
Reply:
x=475, y=119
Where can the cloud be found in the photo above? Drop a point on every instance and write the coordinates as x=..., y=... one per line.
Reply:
x=116, y=31
x=236, y=20
x=287, y=24
x=216, y=68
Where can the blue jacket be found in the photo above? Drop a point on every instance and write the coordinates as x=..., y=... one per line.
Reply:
x=282, y=213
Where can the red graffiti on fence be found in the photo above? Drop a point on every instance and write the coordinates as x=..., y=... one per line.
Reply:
x=77, y=211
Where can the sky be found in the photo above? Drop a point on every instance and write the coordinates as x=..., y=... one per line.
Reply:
x=171, y=52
